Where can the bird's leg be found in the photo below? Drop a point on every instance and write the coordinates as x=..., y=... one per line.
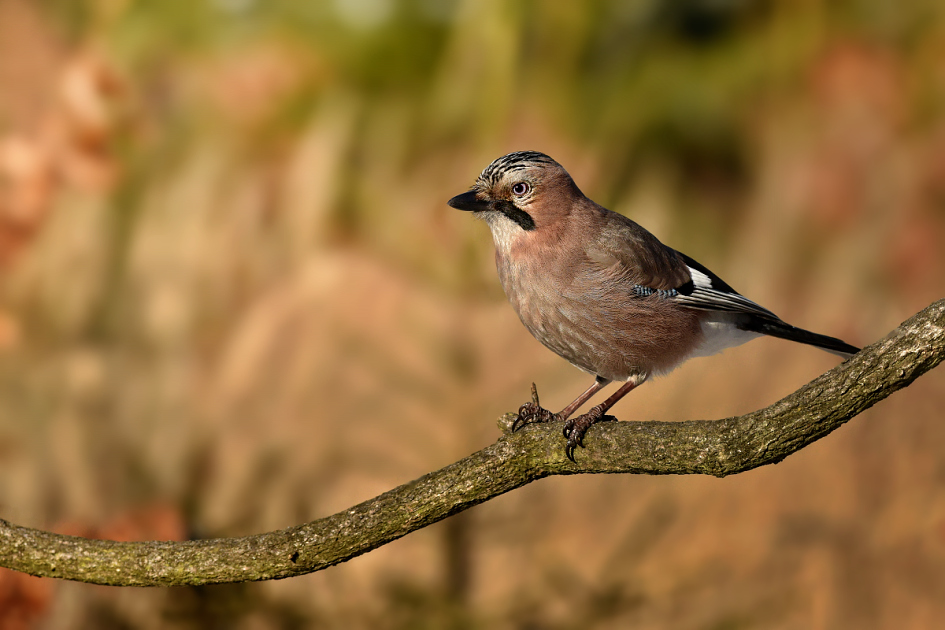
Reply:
x=533, y=413
x=575, y=428
x=598, y=384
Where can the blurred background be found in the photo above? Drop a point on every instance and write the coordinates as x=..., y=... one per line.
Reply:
x=233, y=299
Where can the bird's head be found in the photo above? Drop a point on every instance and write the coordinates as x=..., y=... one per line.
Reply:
x=520, y=193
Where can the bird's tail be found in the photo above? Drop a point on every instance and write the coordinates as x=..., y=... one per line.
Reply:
x=782, y=330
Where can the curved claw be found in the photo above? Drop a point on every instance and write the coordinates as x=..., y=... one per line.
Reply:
x=576, y=428
x=531, y=413
x=570, y=447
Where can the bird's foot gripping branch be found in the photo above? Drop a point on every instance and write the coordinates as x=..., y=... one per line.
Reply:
x=713, y=447
x=604, y=293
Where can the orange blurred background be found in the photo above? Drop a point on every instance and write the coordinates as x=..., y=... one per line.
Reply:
x=234, y=299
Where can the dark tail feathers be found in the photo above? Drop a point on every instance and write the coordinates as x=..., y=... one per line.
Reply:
x=777, y=328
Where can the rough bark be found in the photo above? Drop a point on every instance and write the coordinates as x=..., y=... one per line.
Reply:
x=711, y=447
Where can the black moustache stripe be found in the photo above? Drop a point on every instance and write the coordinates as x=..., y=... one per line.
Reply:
x=524, y=220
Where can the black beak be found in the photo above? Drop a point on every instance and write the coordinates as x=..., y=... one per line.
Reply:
x=468, y=202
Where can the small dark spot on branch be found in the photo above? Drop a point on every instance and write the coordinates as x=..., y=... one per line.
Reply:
x=715, y=447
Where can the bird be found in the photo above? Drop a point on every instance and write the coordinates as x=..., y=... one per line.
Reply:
x=602, y=292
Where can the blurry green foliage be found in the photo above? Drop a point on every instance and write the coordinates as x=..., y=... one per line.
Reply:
x=269, y=312
x=645, y=81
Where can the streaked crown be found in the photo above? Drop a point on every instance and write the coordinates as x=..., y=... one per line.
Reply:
x=517, y=161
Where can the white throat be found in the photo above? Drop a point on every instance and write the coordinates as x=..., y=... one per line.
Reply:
x=505, y=231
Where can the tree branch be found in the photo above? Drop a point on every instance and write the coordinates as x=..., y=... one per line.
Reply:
x=712, y=447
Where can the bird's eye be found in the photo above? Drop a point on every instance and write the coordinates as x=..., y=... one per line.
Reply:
x=520, y=189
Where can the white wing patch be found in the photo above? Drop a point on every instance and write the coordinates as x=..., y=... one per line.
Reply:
x=699, y=279
x=704, y=297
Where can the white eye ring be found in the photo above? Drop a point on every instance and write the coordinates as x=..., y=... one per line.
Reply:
x=520, y=189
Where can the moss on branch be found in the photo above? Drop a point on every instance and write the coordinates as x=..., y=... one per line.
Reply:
x=712, y=447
